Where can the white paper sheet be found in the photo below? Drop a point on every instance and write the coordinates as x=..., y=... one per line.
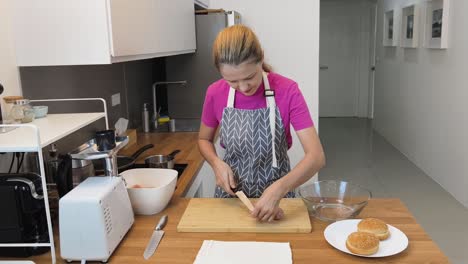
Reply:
x=215, y=252
x=16, y=262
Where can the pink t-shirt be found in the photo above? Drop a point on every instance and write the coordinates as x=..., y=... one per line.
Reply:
x=288, y=97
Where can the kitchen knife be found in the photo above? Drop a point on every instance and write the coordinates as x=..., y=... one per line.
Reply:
x=245, y=200
x=155, y=238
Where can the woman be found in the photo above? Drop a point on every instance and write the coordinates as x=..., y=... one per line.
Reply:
x=255, y=108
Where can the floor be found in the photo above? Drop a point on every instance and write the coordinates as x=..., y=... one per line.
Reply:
x=357, y=153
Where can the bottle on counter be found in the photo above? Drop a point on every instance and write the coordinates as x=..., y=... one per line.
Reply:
x=145, y=118
x=172, y=125
x=52, y=164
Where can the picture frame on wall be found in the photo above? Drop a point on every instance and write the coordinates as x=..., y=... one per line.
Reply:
x=389, y=31
x=410, y=26
x=437, y=24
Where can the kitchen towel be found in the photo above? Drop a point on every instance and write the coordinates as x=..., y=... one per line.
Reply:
x=215, y=252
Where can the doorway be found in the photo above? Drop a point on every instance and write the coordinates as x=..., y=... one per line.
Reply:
x=347, y=58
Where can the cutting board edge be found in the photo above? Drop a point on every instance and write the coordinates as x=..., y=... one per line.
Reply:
x=278, y=231
x=191, y=229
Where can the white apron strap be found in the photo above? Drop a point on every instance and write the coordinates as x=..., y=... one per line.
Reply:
x=271, y=104
x=231, y=96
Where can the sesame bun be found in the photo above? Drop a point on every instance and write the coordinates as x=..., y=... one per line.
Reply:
x=375, y=226
x=362, y=243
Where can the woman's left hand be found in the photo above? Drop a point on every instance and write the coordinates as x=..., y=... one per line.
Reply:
x=267, y=207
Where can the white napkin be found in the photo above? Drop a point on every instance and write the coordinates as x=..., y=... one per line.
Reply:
x=121, y=126
x=215, y=252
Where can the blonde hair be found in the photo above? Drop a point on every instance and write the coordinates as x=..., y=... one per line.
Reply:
x=237, y=44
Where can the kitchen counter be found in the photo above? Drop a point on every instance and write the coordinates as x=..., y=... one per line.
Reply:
x=51, y=128
x=306, y=248
x=165, y=143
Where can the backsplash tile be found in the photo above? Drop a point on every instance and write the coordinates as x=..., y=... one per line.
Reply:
x=132, y=80
x=139, y=84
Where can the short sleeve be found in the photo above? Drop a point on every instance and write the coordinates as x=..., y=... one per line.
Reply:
x=208, y=114
x=298, y=111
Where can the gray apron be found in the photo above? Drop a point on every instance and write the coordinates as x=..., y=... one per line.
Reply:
x=256, y=146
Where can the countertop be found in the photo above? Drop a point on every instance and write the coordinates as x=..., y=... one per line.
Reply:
x=51, y=128
x=306, y=248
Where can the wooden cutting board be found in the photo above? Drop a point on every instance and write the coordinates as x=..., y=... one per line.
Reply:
x=230, y=215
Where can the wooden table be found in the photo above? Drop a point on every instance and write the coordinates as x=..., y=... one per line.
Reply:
x=306, y=248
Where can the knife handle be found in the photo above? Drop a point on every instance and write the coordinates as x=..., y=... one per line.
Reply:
x=162, y=223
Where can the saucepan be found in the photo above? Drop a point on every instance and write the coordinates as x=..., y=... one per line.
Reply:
x=161, y=161
x=123, y=162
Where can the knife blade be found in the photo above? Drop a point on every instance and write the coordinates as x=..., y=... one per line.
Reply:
x=156, y=237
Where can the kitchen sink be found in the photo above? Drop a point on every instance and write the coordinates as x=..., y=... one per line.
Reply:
x=181, y=125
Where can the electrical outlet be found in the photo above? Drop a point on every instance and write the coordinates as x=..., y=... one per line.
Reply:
x=115, y=99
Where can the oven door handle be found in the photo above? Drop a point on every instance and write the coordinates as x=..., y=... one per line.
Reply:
x=31, y=185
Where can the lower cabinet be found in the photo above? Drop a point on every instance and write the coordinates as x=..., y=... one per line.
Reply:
x=204, y=183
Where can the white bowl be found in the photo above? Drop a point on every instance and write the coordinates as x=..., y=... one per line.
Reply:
x=155, y=190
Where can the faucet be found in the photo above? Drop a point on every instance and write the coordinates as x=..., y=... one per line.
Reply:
x=155, y=85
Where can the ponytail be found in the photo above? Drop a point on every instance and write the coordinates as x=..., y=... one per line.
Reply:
x=237, y=44
x=267, y=67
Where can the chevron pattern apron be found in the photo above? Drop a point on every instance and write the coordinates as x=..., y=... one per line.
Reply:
x=256, y=146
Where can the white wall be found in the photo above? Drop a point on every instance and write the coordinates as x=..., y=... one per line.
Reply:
x=421, y=101
x=346, y=41
x=289, y=34
x=9, y=75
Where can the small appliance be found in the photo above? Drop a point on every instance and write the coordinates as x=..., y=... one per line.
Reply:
x=23, y=217
x=94, y=218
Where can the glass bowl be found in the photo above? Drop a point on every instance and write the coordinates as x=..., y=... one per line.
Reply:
x=333, y=200
x=40, y=111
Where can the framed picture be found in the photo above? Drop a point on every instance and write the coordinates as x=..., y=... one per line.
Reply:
x=410, y=26
x=437, y=24
x=389, y=34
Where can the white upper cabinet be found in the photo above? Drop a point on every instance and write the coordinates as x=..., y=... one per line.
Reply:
x=76, y=32
x=202, y=3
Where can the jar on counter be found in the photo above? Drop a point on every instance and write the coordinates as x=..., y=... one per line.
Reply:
x=21, y=112
x=9, y=103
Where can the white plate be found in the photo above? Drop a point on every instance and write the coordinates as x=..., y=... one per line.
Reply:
x=337, y=233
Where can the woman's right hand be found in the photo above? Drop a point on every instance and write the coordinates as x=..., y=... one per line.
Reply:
x=224, y=176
